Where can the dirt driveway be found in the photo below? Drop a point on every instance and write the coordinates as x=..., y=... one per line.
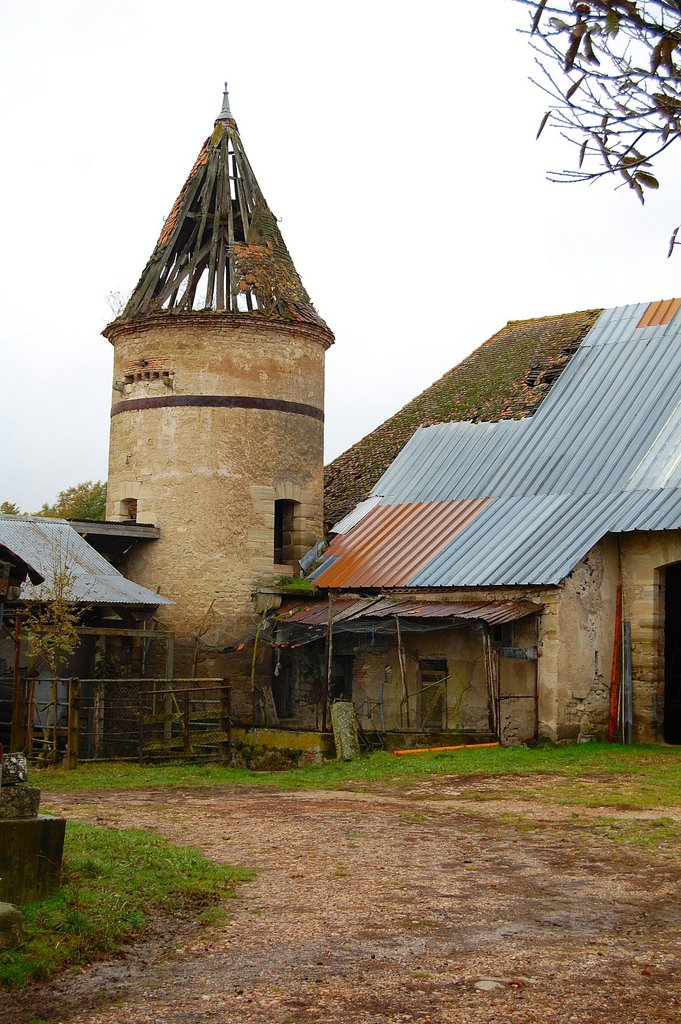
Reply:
x=457, y=901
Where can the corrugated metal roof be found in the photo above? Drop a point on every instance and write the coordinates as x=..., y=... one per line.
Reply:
x=611, y=421
x=601, y=454
x=530, y=539
x=449, y=461
x=51, y=545
x=358, y=513
x=393, y=542
x=9, y=554
x=346, y=610
x=493, y=612
x=316, y=613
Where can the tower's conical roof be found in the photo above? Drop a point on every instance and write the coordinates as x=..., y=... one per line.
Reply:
x=220, y=248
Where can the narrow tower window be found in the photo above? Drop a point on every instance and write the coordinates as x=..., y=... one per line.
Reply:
x=128, y=509
x=284, y=513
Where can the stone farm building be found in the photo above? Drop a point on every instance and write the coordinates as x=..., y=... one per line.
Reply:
x=482, y=581
x=495, y=546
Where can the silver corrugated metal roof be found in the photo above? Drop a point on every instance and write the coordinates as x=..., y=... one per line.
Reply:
x=601, y=454
x=361, y=509
x=51, y=545
x=611, y=421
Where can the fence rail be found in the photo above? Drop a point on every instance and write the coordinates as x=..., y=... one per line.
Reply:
x=119, y=719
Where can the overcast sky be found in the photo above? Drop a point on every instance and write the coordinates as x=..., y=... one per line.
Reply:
x=394, y=140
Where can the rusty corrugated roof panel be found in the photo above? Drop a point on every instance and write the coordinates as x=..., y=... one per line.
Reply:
x=316, y=613
x=347, y=610
x=393, y=542
x=660, y=312
x=492, y=612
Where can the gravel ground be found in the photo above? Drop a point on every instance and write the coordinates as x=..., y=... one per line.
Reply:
x=459, y=901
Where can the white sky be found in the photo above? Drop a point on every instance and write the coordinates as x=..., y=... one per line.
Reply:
x=394, y=140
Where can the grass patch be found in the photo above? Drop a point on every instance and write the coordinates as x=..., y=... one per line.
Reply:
x=112, y=880
x=647, y=772
x=658, y=835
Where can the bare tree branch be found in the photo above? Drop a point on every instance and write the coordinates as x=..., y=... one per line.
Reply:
x=612, y=72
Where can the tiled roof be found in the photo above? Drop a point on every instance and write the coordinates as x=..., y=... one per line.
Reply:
x=221, y=249
x=506, y=378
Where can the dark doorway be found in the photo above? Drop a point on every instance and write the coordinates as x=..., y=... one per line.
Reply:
x=433, y=693
x=282, y=678
x=672, y=654
x=341, y=676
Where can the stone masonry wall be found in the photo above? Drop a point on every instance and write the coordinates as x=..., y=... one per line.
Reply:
x=644, y=557
x=209, y=476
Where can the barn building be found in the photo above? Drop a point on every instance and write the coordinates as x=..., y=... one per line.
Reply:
x=516, y=573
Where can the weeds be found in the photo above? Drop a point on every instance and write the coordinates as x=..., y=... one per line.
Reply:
x=585, y=773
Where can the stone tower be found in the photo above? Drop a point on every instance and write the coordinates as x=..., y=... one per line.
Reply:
x=217, y=412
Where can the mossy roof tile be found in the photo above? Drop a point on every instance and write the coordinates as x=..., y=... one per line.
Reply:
x=507, y=377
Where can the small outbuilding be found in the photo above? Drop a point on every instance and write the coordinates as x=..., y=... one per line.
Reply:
x=49, y=562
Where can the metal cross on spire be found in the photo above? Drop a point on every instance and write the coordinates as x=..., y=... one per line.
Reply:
x=225, y=114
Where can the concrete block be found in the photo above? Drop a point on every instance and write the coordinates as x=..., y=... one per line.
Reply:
x=19, y=801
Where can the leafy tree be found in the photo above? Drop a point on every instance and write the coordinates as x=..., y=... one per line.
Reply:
x=9, y=508
x=612, y=70
x=84, y=501
x=52, y=622
x=51, y=630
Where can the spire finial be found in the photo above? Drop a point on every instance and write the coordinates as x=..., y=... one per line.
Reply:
x=225, y=114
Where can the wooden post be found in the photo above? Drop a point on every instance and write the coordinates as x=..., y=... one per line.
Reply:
x=54, y=697
x=30, y=700
x=403, y=674
x=326, y=682
x=170, y=657
x=98, y=697
x=140, y=725
x=73, y=730
x=491, y=680
x=186, y=723
x=254, y=661
x=18, y=734
x=168, y=702
x=225, y=722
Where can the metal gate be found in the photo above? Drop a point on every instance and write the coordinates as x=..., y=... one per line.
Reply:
x=122, y=719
